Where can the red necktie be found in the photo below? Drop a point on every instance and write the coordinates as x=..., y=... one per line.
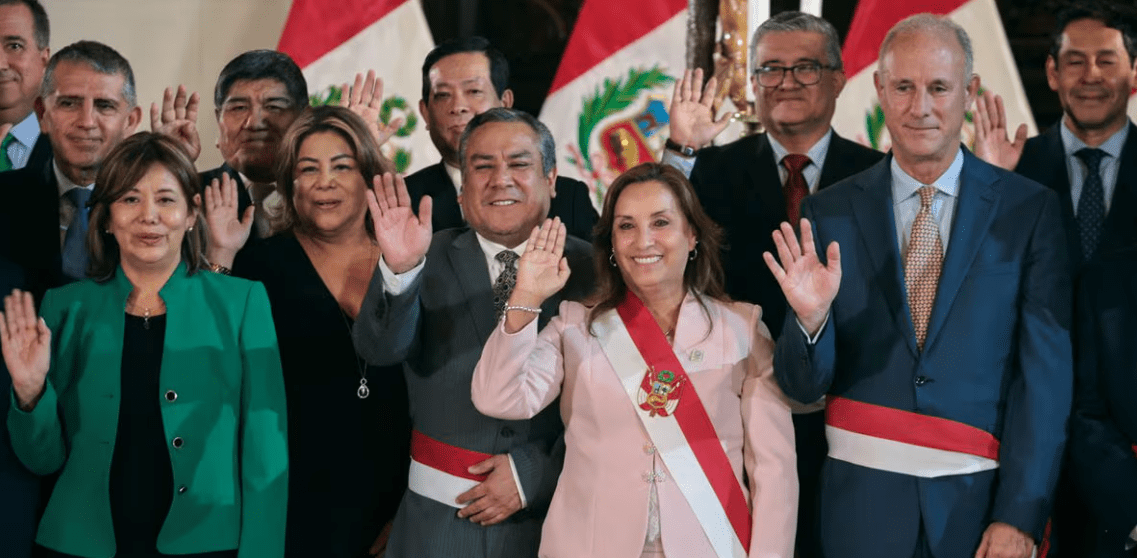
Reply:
x=796, y=188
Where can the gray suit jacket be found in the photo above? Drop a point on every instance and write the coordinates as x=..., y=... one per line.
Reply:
x=438, y=326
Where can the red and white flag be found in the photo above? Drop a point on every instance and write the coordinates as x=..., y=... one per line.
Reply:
x=607, y=107
x=333, y=42
x=859, y=116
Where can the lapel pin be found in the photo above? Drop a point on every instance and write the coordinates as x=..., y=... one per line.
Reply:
x=696, y=355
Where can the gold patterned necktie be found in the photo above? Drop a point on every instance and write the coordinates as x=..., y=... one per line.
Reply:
x=922, y=266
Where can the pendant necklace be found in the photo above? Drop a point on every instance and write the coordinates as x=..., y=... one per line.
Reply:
x=363, y=390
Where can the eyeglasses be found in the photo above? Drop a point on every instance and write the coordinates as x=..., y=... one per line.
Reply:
x=806, y=73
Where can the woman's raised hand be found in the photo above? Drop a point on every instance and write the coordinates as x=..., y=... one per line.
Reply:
x=227, y=232
x=542, y=270
x=26, y=344
x=403, y=237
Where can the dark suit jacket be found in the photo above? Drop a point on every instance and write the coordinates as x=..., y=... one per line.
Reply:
x=741, y=190
x=1044, y=161
x=438, y=327
x=19, y=486
x=29, y=220
x=1103, y=427
x=997, y=357
x=572, y=203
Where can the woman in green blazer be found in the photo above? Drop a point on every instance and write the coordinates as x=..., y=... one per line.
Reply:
x=155, y=389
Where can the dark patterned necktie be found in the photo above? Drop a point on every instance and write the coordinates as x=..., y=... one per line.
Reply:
x=1091, y=204
x=795, y=186
x=503, y=287
x=75, y=240
x=922, y=266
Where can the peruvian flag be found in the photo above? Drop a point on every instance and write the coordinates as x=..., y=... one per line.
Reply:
x=859, y=116
x=607, y=107
x=333, y=42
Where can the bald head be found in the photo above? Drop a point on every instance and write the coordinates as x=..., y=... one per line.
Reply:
x=930, y=24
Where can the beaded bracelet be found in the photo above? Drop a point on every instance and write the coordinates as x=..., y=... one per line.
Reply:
x=522, y=308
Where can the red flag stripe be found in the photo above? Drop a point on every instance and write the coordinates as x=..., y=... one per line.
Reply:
x=315, y=27
x=692, y=417
x=872, y=21
x=604, y=27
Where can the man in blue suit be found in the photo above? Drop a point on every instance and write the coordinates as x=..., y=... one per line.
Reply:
x=940, y=335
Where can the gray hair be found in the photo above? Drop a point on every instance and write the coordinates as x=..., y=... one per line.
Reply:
x=799, y=21
x=502, y=114
x=922, y=23
x=101, y=58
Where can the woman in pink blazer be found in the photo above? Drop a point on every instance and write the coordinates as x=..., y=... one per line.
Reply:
x=678, y=441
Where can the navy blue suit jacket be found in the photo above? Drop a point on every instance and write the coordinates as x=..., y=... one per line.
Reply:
x=20, y=488
x=997, y=356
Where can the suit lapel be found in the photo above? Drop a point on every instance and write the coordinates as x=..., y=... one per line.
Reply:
x=974, y=211
x=1119, y=222
x=445, y=214
x=1060, y=183
x=469, y=264
x=835, y=167
x=872, y=209
x=765, y=172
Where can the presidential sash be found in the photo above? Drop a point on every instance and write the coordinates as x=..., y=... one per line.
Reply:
x=439, y=471
x=669, y=408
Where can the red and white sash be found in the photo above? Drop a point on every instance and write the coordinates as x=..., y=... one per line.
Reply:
x=683, y=433
x=439, y=471
x=904, y=442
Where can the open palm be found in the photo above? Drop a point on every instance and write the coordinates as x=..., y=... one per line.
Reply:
x=26, y=344
x=403, y=237
x=809, y=285
x=542, y=270
x=227, y=232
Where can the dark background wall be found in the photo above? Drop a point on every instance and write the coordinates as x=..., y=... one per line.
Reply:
x=533, y=34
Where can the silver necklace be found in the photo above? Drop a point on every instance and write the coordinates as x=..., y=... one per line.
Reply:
x=363, y=390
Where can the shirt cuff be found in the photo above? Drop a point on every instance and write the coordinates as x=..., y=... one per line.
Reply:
x=396, y=284
x=813, y=340
x=1131, y=542
x=681, y=163
x=517, y=479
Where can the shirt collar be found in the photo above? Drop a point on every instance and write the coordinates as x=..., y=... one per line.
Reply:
x=27, y=131
x=491, y=248
x=455, y=175
x=814, y=152
x=65, y=184
x=1111, y=146
x=904, y=186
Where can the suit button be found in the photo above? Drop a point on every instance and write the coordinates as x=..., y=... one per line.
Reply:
x=182, y=489
x=178, y=442
x=171, y=395
x=921, y=380
x=506, y=432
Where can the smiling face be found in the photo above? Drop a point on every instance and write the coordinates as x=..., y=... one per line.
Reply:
x=1093, y=76
x=924, y=95
x=460, y=88
x=791, y=107
x=651, y=238
x=21, y=63
x=330, y=191
x=252, y=121
x=504, y=191
x=149, y=221
x=85, y=117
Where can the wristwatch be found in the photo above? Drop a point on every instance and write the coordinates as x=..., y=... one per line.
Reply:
x=684, y=150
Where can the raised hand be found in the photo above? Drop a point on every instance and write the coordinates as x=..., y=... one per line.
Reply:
x=25, y=342
x=809, y=286
x=227, y=233
x=403, y=237
x=991, y=141
x=692, y=112
x=542, y=271
x=365, y=98
x=178, y=119
x=494, y=499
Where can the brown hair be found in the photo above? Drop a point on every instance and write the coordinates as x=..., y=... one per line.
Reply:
x=122, y=170
x=337, y=120
x=703, y=275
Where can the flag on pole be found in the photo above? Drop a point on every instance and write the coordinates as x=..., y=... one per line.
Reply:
x=333, y=42
x=607, y=107
x=859, y=115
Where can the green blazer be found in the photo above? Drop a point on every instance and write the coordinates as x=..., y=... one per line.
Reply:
x=222, y=393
